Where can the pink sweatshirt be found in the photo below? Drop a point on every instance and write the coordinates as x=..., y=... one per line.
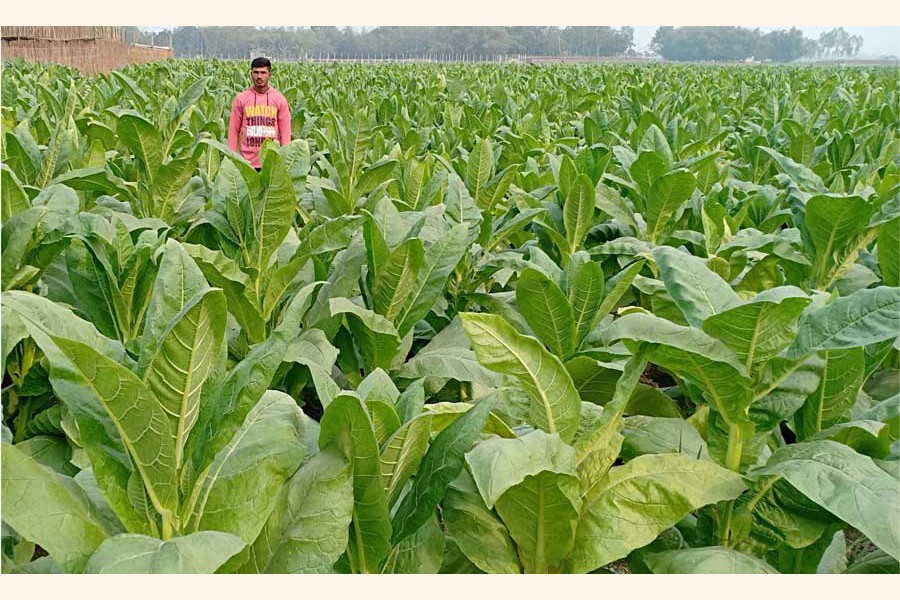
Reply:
x=257, y=117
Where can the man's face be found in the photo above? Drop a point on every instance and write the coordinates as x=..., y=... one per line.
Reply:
x=260, y=76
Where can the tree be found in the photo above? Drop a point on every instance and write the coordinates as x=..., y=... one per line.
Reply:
x=294, y=42
x=838, y=43
x=728, y=44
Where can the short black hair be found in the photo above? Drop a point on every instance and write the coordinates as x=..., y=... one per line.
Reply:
x=261, y=62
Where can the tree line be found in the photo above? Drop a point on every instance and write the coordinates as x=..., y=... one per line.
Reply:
x=672, y=43
x=740, y=43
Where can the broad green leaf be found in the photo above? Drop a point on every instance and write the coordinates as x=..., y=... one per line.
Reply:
x=411, y=401
x=142, y=139
x=578, y=211
x=396, y=279
x=333, y=234
x=781, y=387
x=651, y=401
x=224, y=407
x=697, y=291
x=659, y=435
x=610, y=201
x=238, y=490
x=376, y=337
x=440, y=259
x=499, y=464
x=277, y=281
x=594, y=382
x=21, y=309
x=599, y=437
x=842, y=379
x=889, y=252
x=422, y=553
x=273, y=210
x=402, y=454
x=97, y=432
x=346, y=425
x=546, y=310
x=834, y=559
x=374, y=175
x=862, y=318
x=874, y=563
x=63, y=141
x=541, y=514
x=225, y=273
x=707, y=561
x=585, y=292
x=833, y=224
x=555, y=402
x=479, y=170
x=385, y=420
x=690, y=352
x=198, y=553
x=664, y=202
x=182, y=361
x=51, y=451
x=96, y=288
x=14, y=199
x=761, y=328
x=478, y=532
x=461, y=208
x=231, y=199
x=308, y=528
x=636, y=502
x=19, y=234
x=441, y=464
x=647, y=168
x=616, y=288
x=85, y=377
x=378, y=386
x=49, y=509
x=803, y=176
x=179, y=282
x=532, y=482
x=447, y=356
x=311, y=347
x=847, y=484
x=654, y=140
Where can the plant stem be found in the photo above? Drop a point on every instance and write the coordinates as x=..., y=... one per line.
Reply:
x=167, y=529
x=735, y=448
x=725, y=529
x=22, y=420
x=732, y=462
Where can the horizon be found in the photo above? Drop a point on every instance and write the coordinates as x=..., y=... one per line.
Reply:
x=877, y=40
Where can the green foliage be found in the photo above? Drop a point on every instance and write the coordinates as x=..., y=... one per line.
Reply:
x=471, y=319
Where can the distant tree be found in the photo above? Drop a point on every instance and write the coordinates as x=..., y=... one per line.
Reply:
x=597, y=41
x=783, y=46
x=295, y=42
x=838, y=43
x=728, y=44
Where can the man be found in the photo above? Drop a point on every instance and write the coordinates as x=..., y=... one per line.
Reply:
x=258, y=113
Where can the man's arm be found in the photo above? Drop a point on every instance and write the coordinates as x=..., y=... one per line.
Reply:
x=284, y=124
x=234, y=125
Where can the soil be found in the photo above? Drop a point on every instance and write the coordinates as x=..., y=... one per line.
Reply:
x=655, y=377
x=311, y=405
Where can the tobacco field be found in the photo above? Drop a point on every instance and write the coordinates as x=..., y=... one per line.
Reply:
x=472, y=319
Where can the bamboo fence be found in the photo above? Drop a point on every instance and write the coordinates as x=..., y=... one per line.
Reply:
x=89, y=49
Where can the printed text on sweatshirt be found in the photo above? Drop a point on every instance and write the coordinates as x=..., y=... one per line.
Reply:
x=256, y=118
